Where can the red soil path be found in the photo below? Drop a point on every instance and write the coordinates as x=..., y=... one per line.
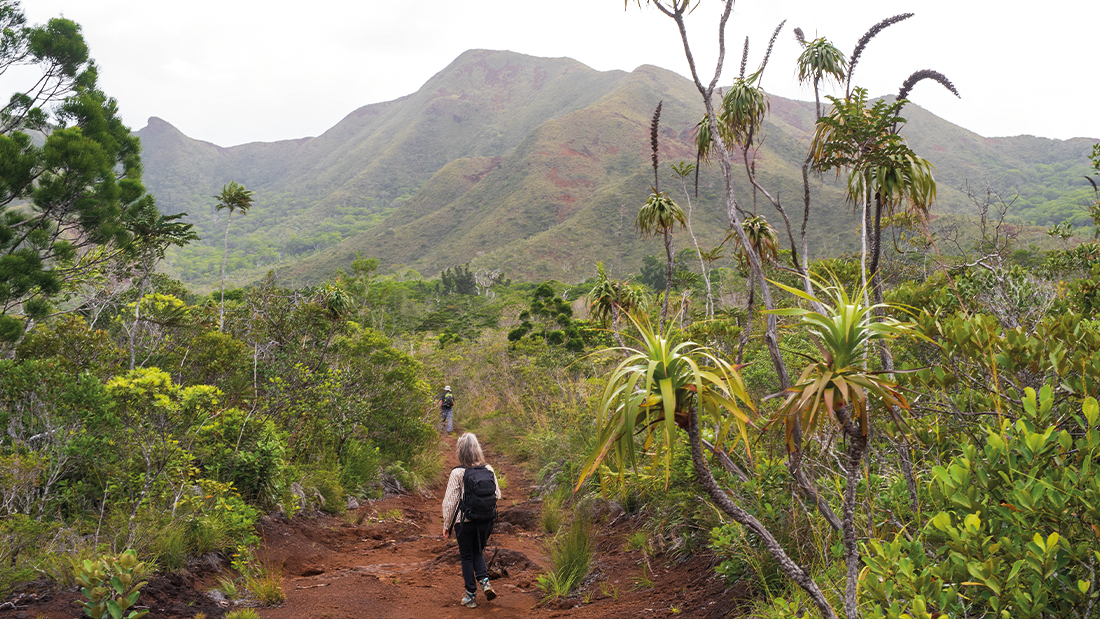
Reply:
x=390, y=567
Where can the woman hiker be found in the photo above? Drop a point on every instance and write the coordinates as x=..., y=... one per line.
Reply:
x=469, y=507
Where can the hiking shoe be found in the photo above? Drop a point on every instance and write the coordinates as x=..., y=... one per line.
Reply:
x=488, y=589
x=468, y=600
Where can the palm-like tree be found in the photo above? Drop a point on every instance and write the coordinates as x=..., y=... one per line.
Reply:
x=334, y=303
x=233, y=197
x=609, y=299
x=742, y=111
x=864, y=140
x=859, y=138
x=820, y=61
x=838, y=387
x=763, y=238
x=764, y=241
x=658, y=216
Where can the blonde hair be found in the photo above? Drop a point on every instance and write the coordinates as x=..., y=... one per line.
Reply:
x=469, y=450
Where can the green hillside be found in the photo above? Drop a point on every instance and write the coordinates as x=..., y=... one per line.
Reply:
x=521, y=163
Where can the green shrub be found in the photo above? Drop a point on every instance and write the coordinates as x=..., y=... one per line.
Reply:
x=326, y=484
x=244, y=450
x=110, y=585
x=217, y=518
x=1002, y=544
x=360, y=464
x=22, y=541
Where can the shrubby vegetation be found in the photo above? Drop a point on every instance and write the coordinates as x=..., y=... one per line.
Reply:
x=933, y=455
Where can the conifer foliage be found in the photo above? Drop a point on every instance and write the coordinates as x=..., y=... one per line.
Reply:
x=70, y=171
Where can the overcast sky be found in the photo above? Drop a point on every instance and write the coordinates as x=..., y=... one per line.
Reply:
x=236, y=71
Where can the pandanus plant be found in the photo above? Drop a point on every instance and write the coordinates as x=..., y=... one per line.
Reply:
x=610, y=299
x=655, y=389
x=659, y=215
x=663, y=386
x=764, y=240
x=839, y=387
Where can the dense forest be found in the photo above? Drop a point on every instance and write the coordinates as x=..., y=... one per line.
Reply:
x=903, y=431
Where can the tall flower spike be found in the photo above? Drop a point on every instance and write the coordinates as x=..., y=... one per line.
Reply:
x=877, y=28
x=926, y=74
x=653, y=142
x=744, y=57
x=801, y=38
x=771, y=44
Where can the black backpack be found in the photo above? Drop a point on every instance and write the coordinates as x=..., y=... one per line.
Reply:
x=448, y=400
x=479, y=495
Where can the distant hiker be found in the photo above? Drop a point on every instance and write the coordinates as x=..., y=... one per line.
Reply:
x=446, y=405
x=470, y=507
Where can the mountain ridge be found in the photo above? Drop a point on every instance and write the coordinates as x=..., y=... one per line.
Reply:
x=522, y=163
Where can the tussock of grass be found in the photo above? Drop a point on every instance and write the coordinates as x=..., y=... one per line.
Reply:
x=267, y=585
x=570, y=556
x=553, y=511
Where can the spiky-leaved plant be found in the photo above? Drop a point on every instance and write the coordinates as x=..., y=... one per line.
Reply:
x=839, y=387
x=652, y=392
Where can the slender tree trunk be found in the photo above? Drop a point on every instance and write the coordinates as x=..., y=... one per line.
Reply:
x=857, y=448
x=746, y=333
x=617, y=302
x=722, y=500
x=225, y=259
x=668, y=279
x=699, y=252
x=887, y=360
x=137, y=315
x=865, y=221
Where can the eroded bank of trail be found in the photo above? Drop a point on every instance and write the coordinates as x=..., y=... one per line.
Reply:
x=391, y=560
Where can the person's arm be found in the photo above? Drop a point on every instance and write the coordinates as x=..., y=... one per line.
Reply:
x=495, y=482
x=451, y=499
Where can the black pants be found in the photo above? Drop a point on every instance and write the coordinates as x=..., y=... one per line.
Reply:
x=472, y=537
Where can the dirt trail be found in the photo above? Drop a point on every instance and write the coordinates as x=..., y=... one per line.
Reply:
x=396, y=563
x=405, y=569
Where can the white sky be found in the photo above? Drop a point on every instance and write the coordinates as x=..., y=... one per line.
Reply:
x=236, y=71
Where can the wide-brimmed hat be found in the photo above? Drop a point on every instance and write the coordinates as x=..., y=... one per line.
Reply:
x=447, y=388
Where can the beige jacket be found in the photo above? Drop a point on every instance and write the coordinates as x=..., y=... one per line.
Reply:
x=454, y=495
